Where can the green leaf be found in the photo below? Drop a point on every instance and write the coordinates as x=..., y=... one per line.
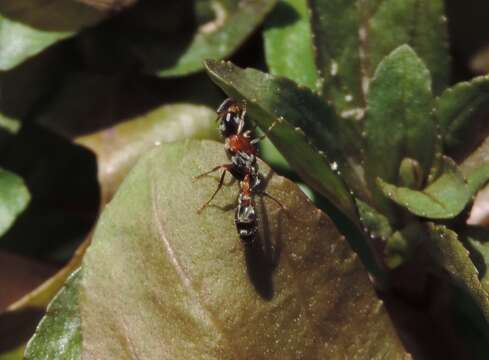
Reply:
x=231, y=24
x=477, y=178
x=27, y=27
x=306, y=130
x=14, y=198
x=399, y=120
x=15, y=354
x=456, y=110
x=478, y=240
x=445, y=198
x=161, y=280
x=352, y=37
x=376, y=224
x=58, y=335
x=288, y=45
x=454, y=258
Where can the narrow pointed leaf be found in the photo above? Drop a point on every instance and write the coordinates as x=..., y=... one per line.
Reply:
x=28, y=27
x=14, y=198
x=399, y=120
x=162, y=281
x=288, y=45
x=454, y=258
x=58, y=335
x=352, y=37
x=443, y=199
x=304, y=126
x=456, y=110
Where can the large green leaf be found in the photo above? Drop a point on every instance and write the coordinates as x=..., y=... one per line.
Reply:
x=223, y=26
x=445, y=198
x=351, y=38
x=288, y=44
x=27, y=27
x=14, y=197
x=399, y=120
x=306, y=130
x=162, y=281
x=456, y=110
x=58, y=335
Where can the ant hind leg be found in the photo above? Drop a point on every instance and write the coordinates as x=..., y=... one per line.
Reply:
x=221, y=182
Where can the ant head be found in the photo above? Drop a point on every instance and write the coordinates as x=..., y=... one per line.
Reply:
x=230, y=115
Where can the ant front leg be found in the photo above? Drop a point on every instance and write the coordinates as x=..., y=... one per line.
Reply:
x=221, y=182
x=260, y=138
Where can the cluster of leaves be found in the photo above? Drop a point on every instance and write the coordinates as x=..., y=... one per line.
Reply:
x=358, y=105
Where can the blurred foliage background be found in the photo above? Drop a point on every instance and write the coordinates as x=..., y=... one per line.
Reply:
x=88, y=86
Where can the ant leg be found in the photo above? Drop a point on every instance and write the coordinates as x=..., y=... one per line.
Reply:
x=221, y=182
x=264, y=193
x=225, y=167
x=260, y=138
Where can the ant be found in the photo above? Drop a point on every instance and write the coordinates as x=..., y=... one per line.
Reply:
x=241, y=149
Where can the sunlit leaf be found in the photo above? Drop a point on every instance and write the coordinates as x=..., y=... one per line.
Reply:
x=161, y=280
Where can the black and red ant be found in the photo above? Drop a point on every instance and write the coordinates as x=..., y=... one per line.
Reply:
x=241, y=149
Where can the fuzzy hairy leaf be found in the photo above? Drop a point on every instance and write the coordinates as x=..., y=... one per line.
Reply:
x=163, y=282
x=399, y=121
x=288, y=45
x=306, y=130
x=456, y=108
x=351, y=38
x=14, y=198
x=58, y=335
x=445, y=198
x=27, y=27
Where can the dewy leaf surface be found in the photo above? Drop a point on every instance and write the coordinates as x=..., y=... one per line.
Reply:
x=27, y=27
x=399, y=120
x=233, y=21
x=457, y=107
x=445, y=198
x=58, y=335
x=351, y=37
x=14, y=198
x=163, y=282
x=288, y=43
x=306, y=130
